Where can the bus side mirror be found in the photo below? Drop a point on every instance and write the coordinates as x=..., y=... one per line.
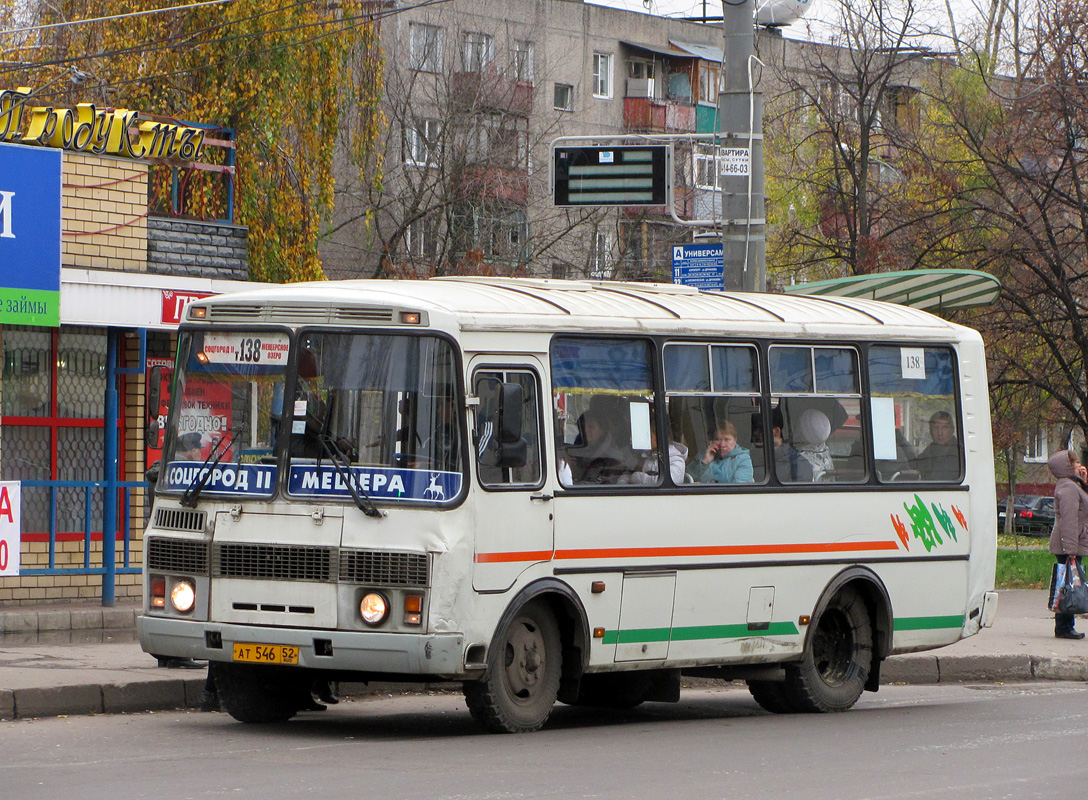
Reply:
x=512, y=447
x=154, y=401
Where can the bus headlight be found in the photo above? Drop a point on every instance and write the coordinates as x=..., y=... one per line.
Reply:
x=183, y=596
x=373, y=608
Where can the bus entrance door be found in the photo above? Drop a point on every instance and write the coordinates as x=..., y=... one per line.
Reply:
x=513, y=528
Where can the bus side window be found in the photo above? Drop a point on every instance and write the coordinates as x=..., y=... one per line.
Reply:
x=488, y=388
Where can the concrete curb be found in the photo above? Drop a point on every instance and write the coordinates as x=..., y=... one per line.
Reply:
x=140, y=696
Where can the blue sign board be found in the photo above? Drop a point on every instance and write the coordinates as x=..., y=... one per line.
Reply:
x=380, y=483
x=698, y=265
x=253, y=480
x=30, y=190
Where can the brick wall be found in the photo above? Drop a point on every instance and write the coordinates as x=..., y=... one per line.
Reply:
x=197, y=249
x=103, y=213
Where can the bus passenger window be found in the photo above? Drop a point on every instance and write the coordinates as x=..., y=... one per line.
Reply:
x=602, y=393
x=712, y=392
x=817, y=397
x=916, y=433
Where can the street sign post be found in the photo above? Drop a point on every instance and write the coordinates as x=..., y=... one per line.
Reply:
x=611, y=176
x=698, y=265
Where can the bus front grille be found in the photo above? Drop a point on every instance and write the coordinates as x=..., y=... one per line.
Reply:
x=180, y=519
x=273, y=562
x=381, y=568
x=177, y=556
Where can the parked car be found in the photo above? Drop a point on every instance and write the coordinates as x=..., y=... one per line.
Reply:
x=1033, y=515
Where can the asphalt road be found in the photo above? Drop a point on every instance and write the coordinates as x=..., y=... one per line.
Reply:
x=977, y=741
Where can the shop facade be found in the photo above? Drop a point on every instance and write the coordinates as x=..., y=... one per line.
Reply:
x=95, y=269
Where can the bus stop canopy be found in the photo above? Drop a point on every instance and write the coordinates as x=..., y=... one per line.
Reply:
x=927, y=289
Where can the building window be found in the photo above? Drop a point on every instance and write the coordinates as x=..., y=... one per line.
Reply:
x=1037, y=450
x=708, y=83
x=640, y=70
x=421, y=142
x=421, y=239
x=564, y=97
x=523, y=61
x=477, y=51
x=708, y=165
x=424, y=47
x=602, y=75
x=904, y=105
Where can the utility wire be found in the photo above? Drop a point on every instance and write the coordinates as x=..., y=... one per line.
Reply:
x=70, y=23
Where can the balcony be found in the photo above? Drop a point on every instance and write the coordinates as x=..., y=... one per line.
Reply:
x=491, y=91
x=650, y=115
x=496, y=183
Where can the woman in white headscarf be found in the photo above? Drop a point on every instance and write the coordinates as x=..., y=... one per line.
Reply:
x=811, y=442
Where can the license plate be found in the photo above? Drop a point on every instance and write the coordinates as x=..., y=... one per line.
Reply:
x=256, y=653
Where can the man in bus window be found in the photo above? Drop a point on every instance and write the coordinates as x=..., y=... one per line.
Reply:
x=789, y=465
x=599, y=457
x=724, y=461
x=940, y=461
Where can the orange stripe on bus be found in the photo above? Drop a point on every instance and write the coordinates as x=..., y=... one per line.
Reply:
x=679, y=552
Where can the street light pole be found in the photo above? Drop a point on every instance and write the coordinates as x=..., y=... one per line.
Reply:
x=740, y=126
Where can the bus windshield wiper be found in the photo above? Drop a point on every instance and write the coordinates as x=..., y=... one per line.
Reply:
x=341, y=463
x=192, y=493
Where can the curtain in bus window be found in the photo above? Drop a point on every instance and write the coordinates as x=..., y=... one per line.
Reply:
x=791, y=369
x=686, y=368
x=734, y=369
x=601, y=364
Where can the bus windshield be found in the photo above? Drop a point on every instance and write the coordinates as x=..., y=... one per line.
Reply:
x=229, y=394
x=378, y=414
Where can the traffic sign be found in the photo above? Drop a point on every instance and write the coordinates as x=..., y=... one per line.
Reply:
x=698, y=265
x=611, y=176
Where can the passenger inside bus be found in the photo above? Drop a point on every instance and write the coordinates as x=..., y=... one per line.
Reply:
x=789, y=465
x=940, y=461
x=811, y=441
x=602, y=453
x=723, y=461
x=649, y=471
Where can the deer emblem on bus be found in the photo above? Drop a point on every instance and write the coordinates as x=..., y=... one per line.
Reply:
x=433, y=490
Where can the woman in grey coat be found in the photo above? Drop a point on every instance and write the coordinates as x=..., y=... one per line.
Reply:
x=1069, y=539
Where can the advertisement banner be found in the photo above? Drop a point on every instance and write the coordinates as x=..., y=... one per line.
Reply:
x=10, y=523
x=30, y=191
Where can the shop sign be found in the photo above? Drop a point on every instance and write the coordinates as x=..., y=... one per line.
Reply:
x=174, y=302
x=30, y=190
x=9, y=527
x=93, y=130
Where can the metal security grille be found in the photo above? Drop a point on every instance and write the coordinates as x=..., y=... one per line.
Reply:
x=273, y=562
x=383, y=569
x=180, y=519
x=177, y=555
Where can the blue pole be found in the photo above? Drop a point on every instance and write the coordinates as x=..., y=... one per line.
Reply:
x=109, y=501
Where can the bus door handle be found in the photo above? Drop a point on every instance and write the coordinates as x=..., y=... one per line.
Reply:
x=541, y=497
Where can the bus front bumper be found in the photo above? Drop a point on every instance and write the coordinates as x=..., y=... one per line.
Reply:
x=354, y=651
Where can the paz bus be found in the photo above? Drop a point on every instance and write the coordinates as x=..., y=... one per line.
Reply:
x=568, y=491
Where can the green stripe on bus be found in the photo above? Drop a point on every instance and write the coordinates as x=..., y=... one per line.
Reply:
x=928, y=623
x=646, y=635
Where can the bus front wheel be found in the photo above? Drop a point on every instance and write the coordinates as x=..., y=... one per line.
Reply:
x=832, y=672
x=523, y=671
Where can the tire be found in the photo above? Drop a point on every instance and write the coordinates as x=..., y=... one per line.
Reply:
x=838, y=655
x=257, y=694
x=524, y=666
x=614, y=689
x=771, y=696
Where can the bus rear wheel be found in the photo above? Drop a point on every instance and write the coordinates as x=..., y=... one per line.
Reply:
x=258, y=694
x=523, y=671
x=832, y=672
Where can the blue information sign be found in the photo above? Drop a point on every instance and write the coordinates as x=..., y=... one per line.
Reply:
x=30, y=179
x=698, y=265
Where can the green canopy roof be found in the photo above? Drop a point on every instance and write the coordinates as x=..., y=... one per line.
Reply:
x=928, y=289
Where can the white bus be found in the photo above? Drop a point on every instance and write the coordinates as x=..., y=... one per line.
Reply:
x=562, y=490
